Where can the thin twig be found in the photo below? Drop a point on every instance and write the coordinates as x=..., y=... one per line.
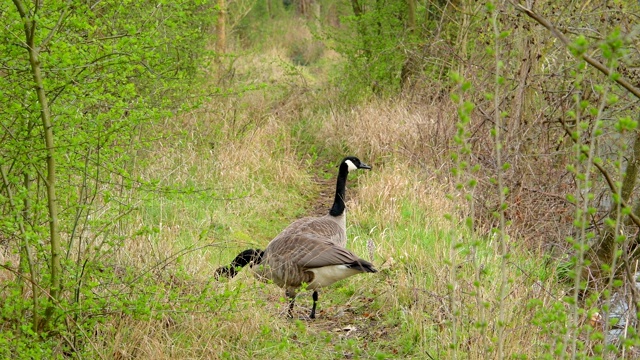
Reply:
x=610, y=182
x=603, y=69
x=591, y=61
x=58, y=26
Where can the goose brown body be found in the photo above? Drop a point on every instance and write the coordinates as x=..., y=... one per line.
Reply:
x=294, y=261
x=308, y=259
x=329, y=227
x=310, y=252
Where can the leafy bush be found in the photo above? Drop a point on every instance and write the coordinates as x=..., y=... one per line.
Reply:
x=80, y=85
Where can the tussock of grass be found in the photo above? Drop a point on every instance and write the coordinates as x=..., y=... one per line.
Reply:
x=384, y=128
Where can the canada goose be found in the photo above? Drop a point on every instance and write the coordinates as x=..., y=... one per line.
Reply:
x=332, y=226
x=309, y=251
x=290, y=262
x=294, y=261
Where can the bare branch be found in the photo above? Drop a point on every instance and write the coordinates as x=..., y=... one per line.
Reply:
x=603, y=69
x=610, y=182
x=591, y=61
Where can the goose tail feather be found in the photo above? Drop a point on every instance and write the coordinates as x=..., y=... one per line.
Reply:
x=363, y=266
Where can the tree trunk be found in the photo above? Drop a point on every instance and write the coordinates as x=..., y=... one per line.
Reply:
x=411, y=16
x=605, y=247
x=52, y=201
x=357, y=8
x=358, y=11
x=631, y=173
x=221, y=42
x=520, y=99
x=26, y=257
x=303, y=7
x=407, y=67
x=27, y=264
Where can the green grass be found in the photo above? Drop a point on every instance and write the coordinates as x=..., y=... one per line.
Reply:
x=400, y=312
x=238, y=179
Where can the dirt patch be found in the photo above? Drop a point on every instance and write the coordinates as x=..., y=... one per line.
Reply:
x=323, y=201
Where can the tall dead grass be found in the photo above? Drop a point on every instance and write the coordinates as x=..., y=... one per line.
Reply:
x=395, y=215
x=396, y=129
x=421, y=133
x=404, y=216
x=244, y=148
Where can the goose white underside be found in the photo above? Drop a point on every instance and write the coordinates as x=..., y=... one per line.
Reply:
x=327, y=275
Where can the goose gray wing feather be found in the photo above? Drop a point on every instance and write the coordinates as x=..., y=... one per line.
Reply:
x=311, y=251
x=326, y=253
x=322, y=226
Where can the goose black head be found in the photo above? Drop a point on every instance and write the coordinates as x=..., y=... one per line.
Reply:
x=354, y=163
x=250, y=256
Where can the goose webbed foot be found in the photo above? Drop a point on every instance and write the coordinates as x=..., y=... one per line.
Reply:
x=305, y=318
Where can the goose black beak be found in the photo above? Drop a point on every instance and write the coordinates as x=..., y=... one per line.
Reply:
x=364, y=166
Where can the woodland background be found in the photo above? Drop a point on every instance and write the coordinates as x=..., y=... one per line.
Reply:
x=145, y=143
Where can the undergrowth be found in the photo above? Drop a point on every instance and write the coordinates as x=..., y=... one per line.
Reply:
x=230, y=174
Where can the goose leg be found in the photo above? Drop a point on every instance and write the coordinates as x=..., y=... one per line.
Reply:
x=292, y=298
x=315, y=302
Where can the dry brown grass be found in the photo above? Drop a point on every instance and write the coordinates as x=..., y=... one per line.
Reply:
x=395, y=128
x=243, y=150
x=404, y=311
x=420, y=134
x=7, y=257
x=395, y=181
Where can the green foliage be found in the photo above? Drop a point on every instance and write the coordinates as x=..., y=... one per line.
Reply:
x=140, y=238
x=110, y=70
x=373, y=45
x=251, y=20
x=26, y=346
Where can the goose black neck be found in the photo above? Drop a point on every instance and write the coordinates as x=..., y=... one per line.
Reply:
x=242, y=260
x=338, y=202
x=247, y=256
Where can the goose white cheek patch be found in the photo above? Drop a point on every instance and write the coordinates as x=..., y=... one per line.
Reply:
x=350, y=165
